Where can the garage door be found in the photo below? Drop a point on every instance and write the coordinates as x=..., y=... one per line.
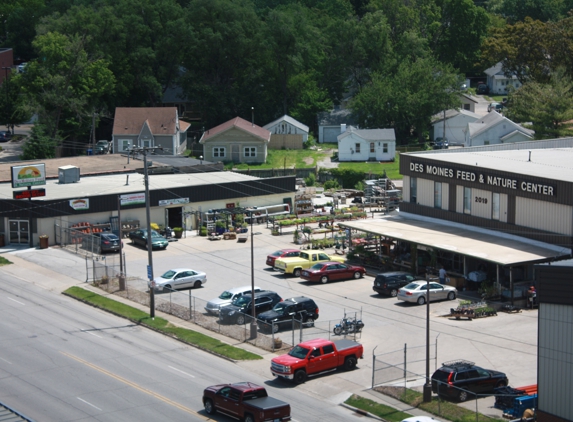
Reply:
x=330, y=134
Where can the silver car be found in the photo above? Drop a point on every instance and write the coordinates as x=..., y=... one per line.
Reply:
x=178, y=278
x=415, y=292
x=225, y=298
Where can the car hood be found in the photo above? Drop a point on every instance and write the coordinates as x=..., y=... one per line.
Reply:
x=161, y=280
x=230, y=309
x=287, y=360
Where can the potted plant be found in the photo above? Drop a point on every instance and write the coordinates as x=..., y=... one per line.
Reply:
x=203, y=231
x=178, y=232
x=245, y=228
x=220, y=226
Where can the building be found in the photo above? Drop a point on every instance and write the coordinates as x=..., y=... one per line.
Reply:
x=287, y=133
x=452, y=125
x=366, y=145
x=498, y=82
x=495, y=128
x=331, y=124
x=469, y=102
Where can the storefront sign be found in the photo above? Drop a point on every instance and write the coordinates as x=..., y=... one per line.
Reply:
x=29, y=193
x=132, y=199
x=175, y=201
x=80, y=204
x=486, y=179
x=29, y=175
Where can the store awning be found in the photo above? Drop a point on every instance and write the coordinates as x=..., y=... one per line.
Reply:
x=506, y=250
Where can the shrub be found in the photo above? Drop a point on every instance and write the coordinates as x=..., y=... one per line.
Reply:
x=310, y=180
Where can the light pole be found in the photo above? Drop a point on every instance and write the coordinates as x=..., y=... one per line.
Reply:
x=427, y=392
x=253, y=320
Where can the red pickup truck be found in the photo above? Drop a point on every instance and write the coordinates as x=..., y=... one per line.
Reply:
x=245, y=401
x=316, y=356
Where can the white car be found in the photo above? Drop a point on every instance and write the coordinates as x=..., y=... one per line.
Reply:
x=420, y=419
x=225, y=298
x=416, y=292
x=178, y=278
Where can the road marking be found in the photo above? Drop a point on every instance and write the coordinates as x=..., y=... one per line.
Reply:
x=178, y=370
x=14, y=300
x=86, y=402
x=8, y=362
x=136, y=386
x=89, y=332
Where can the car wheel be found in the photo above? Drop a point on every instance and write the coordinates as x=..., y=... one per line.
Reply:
x=501, y=384
x=275, y=328
x=357, y=275
x=296, y=272
x=349, y=363
x=463, y=396
x=421, y=300
x=299, y=376
x=209, y=408
x=197, y=284
x=309, y=321
x=168, y=287
x=324, y=279
x=249, y=418
x=451, y=296
x=241, y=319
x=394, y=292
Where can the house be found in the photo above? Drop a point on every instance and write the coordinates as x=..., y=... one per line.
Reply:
x=237, y=140
x=149, y=127
x=495, y=129
x=498, y=82
x=453, y=124
x=366, y=145
x=469, y=102
x=7, y=61
x=331, y=124
x=287, y=133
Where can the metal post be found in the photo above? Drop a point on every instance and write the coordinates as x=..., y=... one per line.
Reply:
x=121, y=278
x=253, y=310
x=149, y=244
x=373, y=365
x=427, y=385
x=405, y=362
x=190, y=307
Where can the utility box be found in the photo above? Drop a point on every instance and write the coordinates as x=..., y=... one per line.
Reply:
x=68, y=174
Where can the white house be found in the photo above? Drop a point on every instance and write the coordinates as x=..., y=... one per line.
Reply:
x=495, y=129
x=366, y=145
x=498, y=82
x=287, y=133
x=453, y=124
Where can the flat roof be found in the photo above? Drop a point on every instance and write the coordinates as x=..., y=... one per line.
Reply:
x=498, y=248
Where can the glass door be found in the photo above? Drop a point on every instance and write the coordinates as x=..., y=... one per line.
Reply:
x=19, y=231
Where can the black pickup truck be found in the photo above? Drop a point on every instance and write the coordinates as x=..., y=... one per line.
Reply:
x=389, y=283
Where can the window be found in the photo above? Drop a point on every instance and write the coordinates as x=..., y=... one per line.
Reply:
x=413, y=189
x=385, y=148
x=371, y=146
x=328, y=349
x=146, y=143
x=438, y=195
x=250, y=151
x=466, y=106
x=125, y=144
x=467, y=200
x=495, y=206
x=357, y=147
x=218, y=152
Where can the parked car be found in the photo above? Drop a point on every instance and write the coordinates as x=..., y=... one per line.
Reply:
x=468, y=378
x=357, y=200
x=101, y=242
x=241, y=308
x=482, y=89
x=299, y=308
x=179, y=278
x=295, y=265
x=332, y=271
x=415, y=292
x=282, y=253
x=102, y=147
x=226, y=298
x=5, y=135
x=389, y=283
x=495, y=106
x=441, y=143
x=139, y=237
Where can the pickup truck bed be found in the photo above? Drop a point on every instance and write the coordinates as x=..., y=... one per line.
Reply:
x=344, y=344
x=266, y=403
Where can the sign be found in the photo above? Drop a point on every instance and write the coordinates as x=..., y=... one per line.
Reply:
x=149, y=272
x=29, y=175
x=29, y=193
x=80, y=204
x=175, y=201
x=132, y=199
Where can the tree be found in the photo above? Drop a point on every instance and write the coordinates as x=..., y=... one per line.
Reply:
x=549, y=106
x=13, y=109
x=39, y=145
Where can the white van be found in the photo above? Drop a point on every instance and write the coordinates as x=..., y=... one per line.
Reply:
x=225, y=298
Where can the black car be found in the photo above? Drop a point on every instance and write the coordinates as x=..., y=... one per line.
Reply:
x=482, y=89
x=5, y=135
x=441, y=143
x=240, y=309
x=102, y=242
x=459, y=379
x=139, y=237
x=281, y=316
x=357, y=200
x=389, y=283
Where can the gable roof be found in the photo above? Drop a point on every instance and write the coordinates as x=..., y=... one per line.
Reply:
x=289, y=120
x=515, y=133
x=439, y=117
x=130, y=120
x=492, y=119
x=470, y=97
x=369, y=134
x=240, y=124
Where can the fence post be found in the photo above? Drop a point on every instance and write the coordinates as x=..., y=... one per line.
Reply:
x=373, y=365
x=190, y=307
x=292, y=329
x=405, y=363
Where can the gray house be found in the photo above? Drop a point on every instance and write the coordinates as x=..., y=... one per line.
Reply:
x=287, y=133
x=149, y=127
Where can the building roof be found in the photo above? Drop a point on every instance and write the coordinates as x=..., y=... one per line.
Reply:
x=549, y=159
x=491, y=119
x=369, y=134
x=470, y=98
x=497, y=72
x=439, y=117
x=289, y=120
x=130, y=120
x=237, y=123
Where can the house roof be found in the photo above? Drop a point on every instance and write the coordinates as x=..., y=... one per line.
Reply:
x=369, y=134
x=439, y=117
x=240, y=124
x=130, y=120
x=497, y=72
x=514, y=133
x=491, y=119
x=289, y=120
x=470, y=98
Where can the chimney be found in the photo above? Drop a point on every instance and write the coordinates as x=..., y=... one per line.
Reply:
x=343, y=128
x=253, y=116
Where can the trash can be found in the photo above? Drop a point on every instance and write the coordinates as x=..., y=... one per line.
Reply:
x=90, y=151
x=44, y=242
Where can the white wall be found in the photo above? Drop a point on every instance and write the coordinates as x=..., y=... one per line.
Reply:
x=455, y=127
x=531, y=213
x=493, y=134
x=348, y=144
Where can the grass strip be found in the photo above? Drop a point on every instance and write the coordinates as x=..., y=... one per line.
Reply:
x=4, y=261
x=381, y=410
x=160, y=324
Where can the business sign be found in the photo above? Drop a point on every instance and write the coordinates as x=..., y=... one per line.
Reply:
x=80, y=204
x=29, y=175
x=132, y=199
x=29, y=193
x=175, y=201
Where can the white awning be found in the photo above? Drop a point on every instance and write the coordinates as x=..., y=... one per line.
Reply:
x=484, y=244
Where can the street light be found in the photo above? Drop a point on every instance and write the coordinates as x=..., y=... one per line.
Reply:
x=253, y=320
x=427, y=391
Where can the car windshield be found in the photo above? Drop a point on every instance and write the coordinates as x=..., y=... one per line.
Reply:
x=277, y=253
x=242, y=301
x=298, y=352
x=226, y=295
x=317, y=267
x=280, y=308
x=411, y=286
x=169, y=274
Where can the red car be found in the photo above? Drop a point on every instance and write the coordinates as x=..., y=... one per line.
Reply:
x=332, y=271
x=283, y=253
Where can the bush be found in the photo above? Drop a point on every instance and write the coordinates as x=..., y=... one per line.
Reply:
x=310, y=180
x=331, y=184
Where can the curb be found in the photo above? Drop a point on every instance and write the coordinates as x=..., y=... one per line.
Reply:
x=362, y=412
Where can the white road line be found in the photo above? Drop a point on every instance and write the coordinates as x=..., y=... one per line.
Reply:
x=16, y=301
x=89, y=332
x=7, y=361
x=178, y=370
x=87, y=402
